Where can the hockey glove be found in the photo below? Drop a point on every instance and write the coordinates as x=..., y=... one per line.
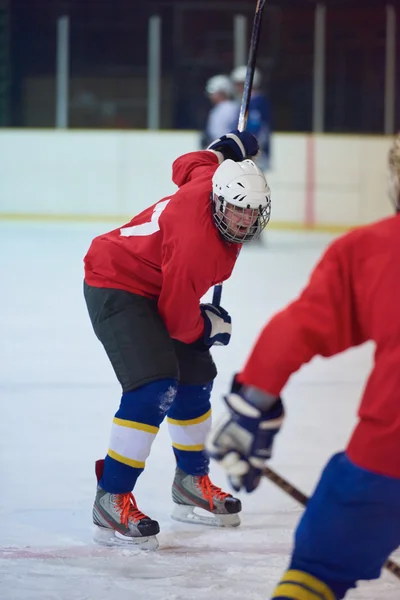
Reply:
x=217, y=325
x=242, y=440
x=236, y=145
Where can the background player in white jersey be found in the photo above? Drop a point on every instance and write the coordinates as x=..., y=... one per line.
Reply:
x=143, y=285
x=224, y=113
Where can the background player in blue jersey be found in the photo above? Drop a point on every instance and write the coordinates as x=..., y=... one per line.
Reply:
x=259, y=119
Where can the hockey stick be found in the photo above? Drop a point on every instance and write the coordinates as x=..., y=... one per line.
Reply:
x=244, y=107
x=296, y=494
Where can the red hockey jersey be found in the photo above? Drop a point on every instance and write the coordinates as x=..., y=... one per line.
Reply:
x=353, y=296
x=171, y=252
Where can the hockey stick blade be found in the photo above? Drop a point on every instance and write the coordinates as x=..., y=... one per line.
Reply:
x=301, y=498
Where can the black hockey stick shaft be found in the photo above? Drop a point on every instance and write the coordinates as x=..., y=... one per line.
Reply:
x=296, y=494
x=244, y=107
x=251, y=66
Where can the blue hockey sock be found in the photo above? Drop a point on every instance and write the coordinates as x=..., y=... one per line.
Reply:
x=134, y=428
x=189, y=421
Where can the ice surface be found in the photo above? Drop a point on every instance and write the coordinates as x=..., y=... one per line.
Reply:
x=57, y=399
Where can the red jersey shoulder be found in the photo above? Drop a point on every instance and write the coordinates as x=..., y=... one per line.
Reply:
x=370, y=231
x=192, y=165
x=368, y=240
x=193, y=172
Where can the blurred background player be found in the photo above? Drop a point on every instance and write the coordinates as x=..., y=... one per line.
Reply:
x=143, y=285
x=224, y=114
x=259, y=117
x=352, y=522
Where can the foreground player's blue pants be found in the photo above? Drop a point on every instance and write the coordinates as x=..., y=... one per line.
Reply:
x=349, y=528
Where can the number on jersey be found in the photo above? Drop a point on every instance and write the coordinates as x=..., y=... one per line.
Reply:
x=150, y=227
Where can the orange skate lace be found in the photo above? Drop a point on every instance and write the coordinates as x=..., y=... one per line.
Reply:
x=126, y=504
x=209, y=490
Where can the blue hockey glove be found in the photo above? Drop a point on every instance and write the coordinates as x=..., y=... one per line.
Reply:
x=242, y=440
x=236, y=145
x=217, y=325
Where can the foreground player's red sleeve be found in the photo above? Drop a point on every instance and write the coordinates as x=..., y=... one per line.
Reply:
x=322, y=321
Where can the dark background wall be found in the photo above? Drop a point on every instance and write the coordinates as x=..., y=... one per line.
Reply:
x=108, y=61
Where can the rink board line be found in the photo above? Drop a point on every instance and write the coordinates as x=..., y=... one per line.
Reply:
x=118, y=219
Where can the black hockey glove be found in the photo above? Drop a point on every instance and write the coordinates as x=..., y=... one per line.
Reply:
x=242, y=439
x=236, y=145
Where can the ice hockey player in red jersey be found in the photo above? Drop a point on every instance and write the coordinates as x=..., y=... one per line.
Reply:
x=143, y=286
x=352, y=521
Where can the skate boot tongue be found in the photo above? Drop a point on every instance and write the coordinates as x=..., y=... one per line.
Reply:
x=198, y=500
x=209, y=490
x=126, y=505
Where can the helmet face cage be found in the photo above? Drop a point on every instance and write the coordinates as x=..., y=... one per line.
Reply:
x=238, y=224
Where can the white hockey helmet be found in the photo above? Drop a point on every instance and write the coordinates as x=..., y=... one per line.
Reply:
x=241, y=200
x=219, y=84
x=394, y=173
x=238, y=75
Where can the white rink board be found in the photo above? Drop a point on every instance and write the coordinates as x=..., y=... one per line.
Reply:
x=89, y=174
